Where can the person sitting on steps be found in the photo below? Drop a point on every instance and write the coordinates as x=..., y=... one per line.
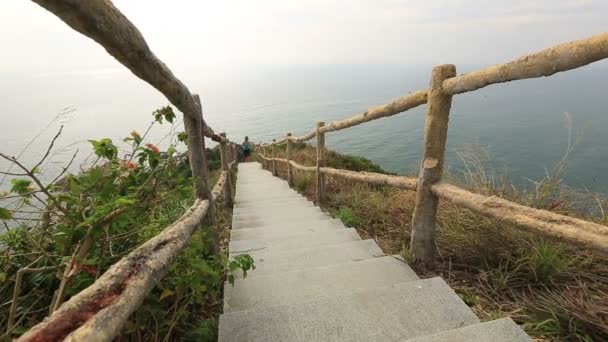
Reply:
x=247, y=149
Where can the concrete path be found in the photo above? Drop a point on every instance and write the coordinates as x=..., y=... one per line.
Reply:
x=316, y=280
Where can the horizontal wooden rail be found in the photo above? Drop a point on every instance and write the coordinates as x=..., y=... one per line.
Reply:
x=98, y=312
x=305, y=137
x=220, y=186
x=544, y=63
x=402, y=182
x=302, y=167
x=568, y=229
x=397, y=106
x=101, y=21
x=547, y=62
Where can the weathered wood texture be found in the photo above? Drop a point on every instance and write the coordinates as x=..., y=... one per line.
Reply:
x=568, y=229
x=320, y=162
x=399, y=105
x=544, y=63
x=288, y=155
x=302, y=167
x=225, y=156
x=101, y=21
x=220, y=186
x=98, y=312
x=402, y=182
x=547, y=62
x=424, y=220
x=274, y=155
x=306, y=137
x=198, y=162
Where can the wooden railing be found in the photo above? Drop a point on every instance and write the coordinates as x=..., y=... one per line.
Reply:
x=428, y=185
x=99, y=312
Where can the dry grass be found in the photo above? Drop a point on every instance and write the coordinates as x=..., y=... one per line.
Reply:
x=556, y=292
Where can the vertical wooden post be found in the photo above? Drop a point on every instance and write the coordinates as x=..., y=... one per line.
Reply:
x=424, y=221
x=274, y=155
x=288, y=154
x=320, y=163
x=224, y=155
x=211, y=211
x=198, y=163
x=193, y=124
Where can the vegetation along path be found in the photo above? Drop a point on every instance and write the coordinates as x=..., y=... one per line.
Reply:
x=316, y=280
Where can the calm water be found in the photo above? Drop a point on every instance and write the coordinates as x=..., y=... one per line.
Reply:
x=520, y=124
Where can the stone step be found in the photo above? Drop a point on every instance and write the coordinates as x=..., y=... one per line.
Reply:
x=296, y=241
x=281, y=230
x=326, y=281
x=402, y=311
x=500, y=330
x=286, y=210
x=279, y=205
x=279, y=201
x=301, y=259
x=263, y=196
x=254, y=221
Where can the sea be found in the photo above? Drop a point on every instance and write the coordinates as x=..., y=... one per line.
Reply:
x=522, y=130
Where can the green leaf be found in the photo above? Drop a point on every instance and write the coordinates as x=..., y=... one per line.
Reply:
x=2, y=277
x=183, y=137
x=5, y=214
x=104, y=148
x=231, y=279
x=164, y=112
x=21, y=186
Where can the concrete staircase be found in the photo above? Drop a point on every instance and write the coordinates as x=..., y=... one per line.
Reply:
x=316, y=280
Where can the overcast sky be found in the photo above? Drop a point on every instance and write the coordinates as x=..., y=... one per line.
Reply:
x=246, y=33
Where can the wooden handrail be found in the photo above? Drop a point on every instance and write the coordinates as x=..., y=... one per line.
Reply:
x=568, y=229
x=562, y=57
x=98, y=312
x=444, y=85
x=544, y=63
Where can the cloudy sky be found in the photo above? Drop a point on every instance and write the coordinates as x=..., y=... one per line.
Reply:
x=245, y=33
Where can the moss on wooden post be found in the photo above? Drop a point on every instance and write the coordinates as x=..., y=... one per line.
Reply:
x=320, y=162
x=424, y=221
x=288, y=153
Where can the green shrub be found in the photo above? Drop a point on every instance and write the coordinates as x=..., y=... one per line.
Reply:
x=301, y=182
x=348, y=217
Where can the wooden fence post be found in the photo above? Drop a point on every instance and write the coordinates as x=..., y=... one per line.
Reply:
x=320, y=163
x=424, y=221
x=224, y=155
x=198, y=163
x=274, y=155
x=288, y=155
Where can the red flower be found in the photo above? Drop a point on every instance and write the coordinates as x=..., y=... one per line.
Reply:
x=129, y=165
x=153, y=148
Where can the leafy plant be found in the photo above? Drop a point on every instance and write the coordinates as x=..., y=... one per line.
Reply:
x=164, y=112
x=104, y=148
x=348, y=217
